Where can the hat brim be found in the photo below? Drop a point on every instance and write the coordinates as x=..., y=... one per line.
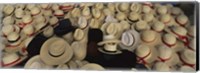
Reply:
x=155, y=42
x=153, y=56
x=79, y=50
x=50, y=60
x=109, y=41
x=111, y=53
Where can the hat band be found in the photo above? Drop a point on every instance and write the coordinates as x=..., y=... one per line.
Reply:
x=56, y=55
x=149, y=41
x=134, y=21
x=181, y=23
x=141, y=59
x=4, y=65
x=109, y=51
x=59, y=15
x=185, y=63
x=66, y=7
x=28, y=22
x=169, y=45
x=36, y=13
x=13, y=41
x=183, y=38
x=163, y=60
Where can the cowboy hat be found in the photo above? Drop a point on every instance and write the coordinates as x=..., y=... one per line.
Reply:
x=36, y=63
x=8, y=20
x=150, y=37
x=188, y=57
x=35, y=11
x=141, y=26
x=146, y=9
x=161, y=66
x=48, y=31
x=56, y=51
x=110, y=45
x=19, y=13
x=145, y=54
x=78, y=34
x=133, y=17
x=122, y=7
x=76, y=12
x=92, y=66
x=186, y=68
x=162, y=10
x=11, y=59
x=82, y=22
x=148, y=17
x=28, y=30
x=158, y=26
x=129, y=40
x=182, y=20
x=79, y=50
x=8, y=9
x=53, y=21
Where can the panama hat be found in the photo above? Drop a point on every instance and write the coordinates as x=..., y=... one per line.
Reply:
x=191, y=30
x=158, y=26
x=58, y=13
x=188, y=57
x=120, y=16
x=176, y=11
x=79, y=50
x=186, y=68
x=182, y=20
x=107, y=12
x=145, y=54
x=78, y=34
x=82, y=22
x=7, y=29
x=124, y=25
x=35, y=11
x=72, y=64
x=129, y=40
x=86, y=12
x=96, y=13
x=47, y=13
x=28, y=30
x=22, y=6
x=63, y=66
x=148, y=17
x=41, y=19
x=141, y=26
x=122, y=7
x=8, y=20
x=133, y=17
x=146, y=9
x=76, y=12
x=53, y=21
x=111, y=7
x=169, y=40
x=110, y=45
x=27, y=19
x=19, y=13
x=92, y=66
x=99, y=6
x=136, y=7
x=11, y=59
x=166, y=19
x=110, y=19
x=161, y=66
x=40, y=26
x=66, y=7
x=14, y=39
x=111, y=29
x=56, y=51
x=48, y=31
x=150, y=37
x=94, y=23
x=162, y=10
x=55, y=7
x=36, y=63
x=30, y=6
x=45, y=6
x=8, y=9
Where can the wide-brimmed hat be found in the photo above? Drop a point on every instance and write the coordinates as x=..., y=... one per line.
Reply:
x=145, y=54
x=176, y=11
x=55, y=7
x=28, y=30
x=188, y=57
x=99, y=6
x=141, y=26
x=122, y=7
x=79, y=50
x=78, y=34
x=58, y=13
x=86, y=12
x=48, y=31
x=146, y=9
x=76, y=12
x=92, y=66
x=56, y=51
x=82, y=22
x=120, y=16
x=53, y=21
x=158, y=26
x=162, y=10
x=182, y=20
x=35, y=11
x=186, y=68
x=45, y=6
x=148, y=17
x=166, y=19
x=161, y=66
x=11, y=59
x=129, y=40
x=19, y=13
x=8, y=20
x=150, y=37
x=27, y=19
x=8, y=9
x=133, y=17
x=36, y=63
x=96, y=13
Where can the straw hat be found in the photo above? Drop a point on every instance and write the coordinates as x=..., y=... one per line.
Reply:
x=72, y=65
x=28, y=30
x=48, y=31
x=166, y=19
x=79, y=63
x=96, y=13
x=14, y=39
x=192, y=44
x=158, y=26
x=8, y=9
x=94, y=23
x=122, y=7
x=47, y=13
x=56, y=51
x=35, y=11
x=145, y=54
x=66, y=7
x=99, y=6
x=124, y=25
x=86, y=12
x=120, y=16
x=162, y=10
x=169, y=40
x=55, y=7
x=7, y=29
x=58, y=13
x=19, y=13
x=78, y=34
x=68, y=37
x=30, y=6
x=133, y=17
x=146, y=9
x=136, y=7
x=148, y=17
x=176, y=11
x=22, y=6
x=82, y=22
x=79, y=50
x=8, y=20
x=11, y=59
x=129, y=40
x=188, y=57
x=36, y=63
x=53, y=21
x=111, y=29
x=186, y=68
x=76, y=12
x=108, y=12
x=27, y=19
x=150, y=37
x=111, y=7
x=182, y=20
x=92, y=66
x=141, y=26
x=41, y=19
x=45, y=6
x=110, y=45
x=110, y=19
x=161, y=66
x=191, y=30
x=40, y=26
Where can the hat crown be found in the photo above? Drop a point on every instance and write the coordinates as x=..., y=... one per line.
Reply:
x=148, y=35
x=158, y=26
x=6, y=29
x=169, y=38
x=78, y=34
x=120, y=16
x=39, y=25
x=142, y=50
x=44, y=5
x=27, y=18
x=82, y=22
x=86, y=11
x=175, y=10
x=164, y=52
x=110, y=46
x=182, y=19
x=48, y=31
x=127, y=38
x=13, y=36
x=99, y=5
x=76, y=12
x=94, y=23
x=35, y=10
x=57, y=48
x=40, y=19
x=9, y=58
x=111, y=28
x=53, y=20
x=35, y=65
x=8, y=9
x=19, y=12
x=55, y=6
x=111, y=6
x=107, y=11
x=179, y=30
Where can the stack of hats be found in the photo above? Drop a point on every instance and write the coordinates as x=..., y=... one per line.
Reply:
x=60, y=36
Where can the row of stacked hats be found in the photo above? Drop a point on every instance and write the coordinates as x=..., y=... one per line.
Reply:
x=160, y=35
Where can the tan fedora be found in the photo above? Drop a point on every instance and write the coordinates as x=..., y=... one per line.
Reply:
x=161, y=66
x=120, y=16
x=11, y=59
x=19, y=13
x=82, y=22
x=56, y=51
x=148, y=17
x=8, y=20
x=141, y=26
x=111, y=29
x=150, y=37
x=186, y=68
x=182, y=20
x=133, y=17
x=162, y=10
x=107, y=12
x=176, y=11
x=110, y=45
x=79, y=50
x=158, y=26
x=76, y=12
x=47, y=13
x=122, y=7
x=36, y=63
x=188, y=57
x=78, y=34
x=53, y=21
x=92, y=66
x=58, y=13
x=99, y=6
x=30, y=6
x=35, y=11
x=48, y=31
x=8, y=9
x=146, y=9
x=146, y=54
x=28, y=30
x=86, y=13
x=45, y=6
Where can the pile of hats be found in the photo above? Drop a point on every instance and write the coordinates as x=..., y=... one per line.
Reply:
x=161, y=35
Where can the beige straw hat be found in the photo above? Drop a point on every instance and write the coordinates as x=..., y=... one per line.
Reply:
x=76, y=12
x=96, y=13
x=111, y=29
x=176, y=11
x=108, y=12
x=94, y=23
x=22, y=6
x=82, y=22
x=161, y=10
x=40, y=26
x=7, y=29
x=53, y=21
x=191, y=30
x=136, y=7
x=150, y=37
x=62, y=67
x=28, y=30
x=120, y=16
x=58, y=13
x=122, y=7
x=166, y=19
x=36, y=63
x=169, y=40
x=35, y=11
x=111, y=7
x=79, y=50
x=92, y=66
x=30, y=6
x=158, y=26
x=86, y=12
x=45, y=6
x=148, y=17
x=78, y=34
x=188, y=57
x=19, y=13
x=133, y=17
x=146, y=9
x=56, y=51
x=68, y=37
x=99, y=6
x=72, y=64
x=27, y=19
x=14, y=39
x=48, y=31
x=161, y=66
x=55, y=7
x=186, y=68
x=182, y=20
x=41, y=19
x=8, y=9
x=124, y=25
x=8, y=20
x=47, y=13
x=141, y=26
x=192, y=45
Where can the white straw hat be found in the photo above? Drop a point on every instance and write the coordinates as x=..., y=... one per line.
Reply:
x=48, y=31
x=40, y=26
x=14, y=39
x=141, y=26
x=92, y=66
x=36, y=63
x=76, y=12
x=40, y=19
x=55, y=7
x=19, y=13
x=150, y=37
x=78, y=34
x=136, y=7
x=56, y=51
x=188, y=57
x=79, y=50
x=11, y=59
x=7, y=29
x=122, y=7
x=166, y=19
x=53, y=21
x=94, y=23
x=45, y=6
x=111, y=7
x=82, y=22
x=161, y=66
x=182, y=20
x=28, y=30
x=8, y=20
x=186, y=68
x=35, y=11
x=8, y=9
x=146, y=9
x=72, y=65
x=158, y=26
x=162, y=10
x=148, y=17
